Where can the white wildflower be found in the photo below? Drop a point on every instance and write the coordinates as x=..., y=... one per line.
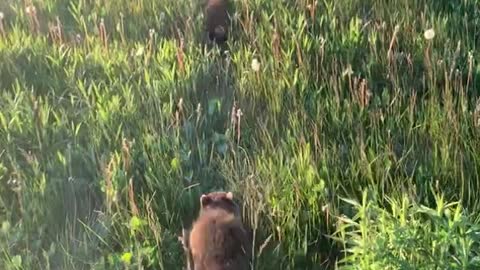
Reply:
x=162, y=16
x=30, y=9
x=255, y=65
x=429, y=34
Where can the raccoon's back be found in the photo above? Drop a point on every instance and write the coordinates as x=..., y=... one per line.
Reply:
x=212, y=232
x=216, y=14
x=213, y=242
x=215, y=265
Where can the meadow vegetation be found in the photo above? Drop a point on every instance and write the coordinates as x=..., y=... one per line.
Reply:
x=349, y=130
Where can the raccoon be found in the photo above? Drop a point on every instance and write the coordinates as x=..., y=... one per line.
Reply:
x=218, y=239
x=217, y=20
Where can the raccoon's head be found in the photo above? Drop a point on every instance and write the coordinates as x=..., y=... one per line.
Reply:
x=219, y=34
x=219, y=200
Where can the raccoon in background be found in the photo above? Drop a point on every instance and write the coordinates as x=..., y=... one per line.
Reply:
x=217, y=20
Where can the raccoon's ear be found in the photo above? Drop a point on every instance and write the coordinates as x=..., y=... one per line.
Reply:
x=230, y=195
x=205, y=200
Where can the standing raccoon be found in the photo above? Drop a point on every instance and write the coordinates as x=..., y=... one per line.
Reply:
x=217, y=20
x=218, y=239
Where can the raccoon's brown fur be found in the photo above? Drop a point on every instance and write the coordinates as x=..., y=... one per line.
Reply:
x=217, y=20
x=218, y=239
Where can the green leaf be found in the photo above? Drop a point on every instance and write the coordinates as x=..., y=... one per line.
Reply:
x=175, y=164
x=140, y=51
x=5, y=227
x=127, y=258
x=135, y=223
x=213, y=106
x=17, y=261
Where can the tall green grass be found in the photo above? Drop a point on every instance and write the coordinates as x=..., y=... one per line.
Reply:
x=115, y=118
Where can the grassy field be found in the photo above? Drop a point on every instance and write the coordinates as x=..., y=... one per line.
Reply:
x=349, y=130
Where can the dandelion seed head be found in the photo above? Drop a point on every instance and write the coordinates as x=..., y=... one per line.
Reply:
x=255, y=65
x=429, y=34
x=30, y=9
